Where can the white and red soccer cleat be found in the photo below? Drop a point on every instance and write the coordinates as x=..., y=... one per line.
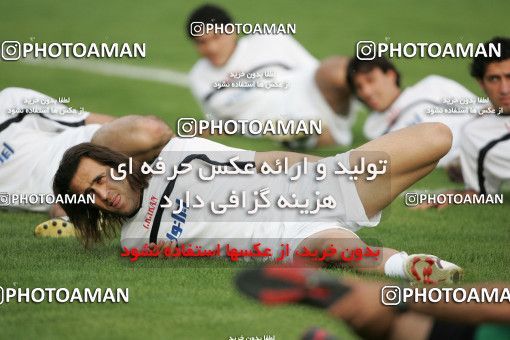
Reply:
x=429, y=269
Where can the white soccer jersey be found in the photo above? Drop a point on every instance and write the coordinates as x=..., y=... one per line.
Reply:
x=485, y=153
x=35, y=131
x=414, y=105
x=201, y=227
x=286, y=62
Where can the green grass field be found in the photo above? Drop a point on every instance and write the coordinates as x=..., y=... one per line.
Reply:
x=198, y=302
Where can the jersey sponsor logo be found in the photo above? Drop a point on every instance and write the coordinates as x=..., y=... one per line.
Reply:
x=6, y=152
x=178, y=220
x=153, y=204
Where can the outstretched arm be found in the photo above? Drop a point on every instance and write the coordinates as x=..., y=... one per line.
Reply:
x=142, y=137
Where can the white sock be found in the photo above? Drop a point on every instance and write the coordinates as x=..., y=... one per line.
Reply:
x=394, y=266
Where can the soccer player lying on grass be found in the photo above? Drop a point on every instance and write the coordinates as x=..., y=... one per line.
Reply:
x=377, y=84
x=36, y=130
x=485, y=141
x=316, y=90
x=359, y=304
x=135, y=203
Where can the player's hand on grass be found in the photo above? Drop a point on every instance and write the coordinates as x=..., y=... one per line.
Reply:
x=166, y=248
x=436, y=205
x=440, y=206
x=57, y=211
x=454, y=172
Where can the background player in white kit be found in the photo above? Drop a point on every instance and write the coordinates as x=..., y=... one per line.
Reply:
x=315, y=90
x=36, y=130
x=485, y=141
x=377, y=84
x=131, y=201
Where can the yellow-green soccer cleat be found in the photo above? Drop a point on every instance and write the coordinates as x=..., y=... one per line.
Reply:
x=56, y=227
x=429, y=269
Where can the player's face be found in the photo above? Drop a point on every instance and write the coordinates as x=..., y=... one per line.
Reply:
x=376, y=88
x=217, y=48
x=111, y=195
x=496, y=84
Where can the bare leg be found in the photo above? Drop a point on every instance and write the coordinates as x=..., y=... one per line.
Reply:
x=363, y=311
x=142, y=137
x=415, y=325
x=346, y=240
x=412, y=153
x=332, y=82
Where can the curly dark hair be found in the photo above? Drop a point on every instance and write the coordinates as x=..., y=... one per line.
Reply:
x=93, y=224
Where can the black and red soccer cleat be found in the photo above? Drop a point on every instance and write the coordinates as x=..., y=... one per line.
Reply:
x=291, y=284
